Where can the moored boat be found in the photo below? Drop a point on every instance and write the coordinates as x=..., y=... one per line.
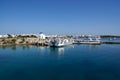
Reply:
x=91, y=40
x=60, y=42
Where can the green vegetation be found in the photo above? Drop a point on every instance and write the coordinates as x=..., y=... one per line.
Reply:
x=27, y=36
x=33, y=36
x=109, y=36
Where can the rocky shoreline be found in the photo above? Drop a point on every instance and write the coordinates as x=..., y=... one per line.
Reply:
x=22, y=41
x=16, y=41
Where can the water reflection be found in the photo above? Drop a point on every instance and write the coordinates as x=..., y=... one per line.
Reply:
x=93, y=46
x=26, y=47
x=59, y=51
x=56, y=51
x=13, y=48
x=23, y=47
x=42, y=49
x=3, y=47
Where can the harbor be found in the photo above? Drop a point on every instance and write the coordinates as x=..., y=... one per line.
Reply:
x=60, y=40
x=55, y=40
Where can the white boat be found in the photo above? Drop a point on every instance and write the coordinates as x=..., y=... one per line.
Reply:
x=60, y=42
x=91, y=40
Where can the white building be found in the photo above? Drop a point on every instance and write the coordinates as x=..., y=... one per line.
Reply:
x=51, y=36
x=41, y=36
x=13, y=35
x=0, y=36
x=5, y=36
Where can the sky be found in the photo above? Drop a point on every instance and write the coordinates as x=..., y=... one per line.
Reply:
x=96, y=17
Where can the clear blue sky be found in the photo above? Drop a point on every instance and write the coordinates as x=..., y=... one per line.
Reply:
x=60, y=16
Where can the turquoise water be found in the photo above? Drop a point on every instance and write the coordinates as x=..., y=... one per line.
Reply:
x=77, y=62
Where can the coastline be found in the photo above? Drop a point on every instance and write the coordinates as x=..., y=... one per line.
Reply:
x=45, y=44
x=18, y=41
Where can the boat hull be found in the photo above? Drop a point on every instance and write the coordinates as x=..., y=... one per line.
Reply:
x=60, y=45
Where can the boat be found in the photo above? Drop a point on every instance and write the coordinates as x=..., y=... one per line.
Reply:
x=60, y=42
x=91, y=40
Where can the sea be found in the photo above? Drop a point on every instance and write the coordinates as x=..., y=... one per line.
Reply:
x=74, y=62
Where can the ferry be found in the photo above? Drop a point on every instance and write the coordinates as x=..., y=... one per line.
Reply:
x=91, y=40
x=60, y=42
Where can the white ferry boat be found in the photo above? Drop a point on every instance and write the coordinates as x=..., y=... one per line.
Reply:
x=91, y=40
x=60, y=42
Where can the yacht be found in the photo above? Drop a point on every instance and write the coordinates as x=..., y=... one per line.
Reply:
x=60, y=42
